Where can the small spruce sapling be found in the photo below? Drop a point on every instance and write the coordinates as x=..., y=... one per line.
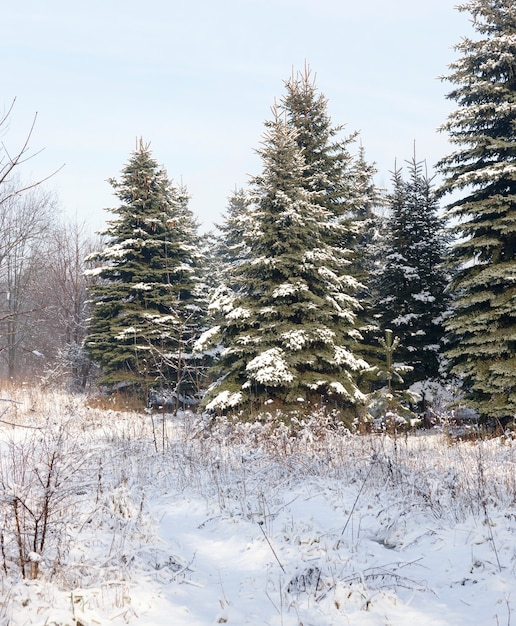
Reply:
x=389, y=405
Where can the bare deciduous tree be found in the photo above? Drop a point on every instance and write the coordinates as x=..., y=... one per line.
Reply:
x=24, y=222
x=64, y=286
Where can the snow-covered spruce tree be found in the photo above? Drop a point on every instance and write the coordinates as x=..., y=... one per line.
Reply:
x=146, y=305
x=482, y=172
x=288, y=336
x=347, y=190
x=411, y=284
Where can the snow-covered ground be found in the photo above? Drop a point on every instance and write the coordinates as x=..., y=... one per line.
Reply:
x=155, y=519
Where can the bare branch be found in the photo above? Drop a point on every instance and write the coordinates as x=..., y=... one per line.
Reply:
x=9, y=162
x=6, y=116
x=30, y=185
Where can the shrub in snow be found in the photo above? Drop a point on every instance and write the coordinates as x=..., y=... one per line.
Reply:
x=120, y=503
x=40, y=477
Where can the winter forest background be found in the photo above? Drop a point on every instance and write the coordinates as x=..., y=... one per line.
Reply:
x=305, y=416
x=316, y=289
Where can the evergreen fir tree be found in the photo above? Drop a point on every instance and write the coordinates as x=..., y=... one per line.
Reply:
x=289, y=334
x=346, y=186
x=146, y=299
x=482, y=172
x=390, y=405
x=412, y=281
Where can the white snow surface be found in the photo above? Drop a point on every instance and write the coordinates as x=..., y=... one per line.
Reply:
x=167, y=521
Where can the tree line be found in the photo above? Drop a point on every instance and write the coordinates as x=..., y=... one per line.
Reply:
x=316, y=289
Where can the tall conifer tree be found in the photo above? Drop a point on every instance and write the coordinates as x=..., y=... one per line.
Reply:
x=482, y=172
x=345, y=183
x=411, y=284
x=146, y=299
x=289, y=335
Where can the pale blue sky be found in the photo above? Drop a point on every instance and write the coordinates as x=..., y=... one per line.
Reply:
x=197, y=79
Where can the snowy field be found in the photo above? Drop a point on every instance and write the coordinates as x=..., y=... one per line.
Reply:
x=119, y=518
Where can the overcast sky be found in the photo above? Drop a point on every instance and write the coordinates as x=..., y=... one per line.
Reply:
x=197, y=79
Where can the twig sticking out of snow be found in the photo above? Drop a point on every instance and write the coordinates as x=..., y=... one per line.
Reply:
x=260, y=524
x=373, y=460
